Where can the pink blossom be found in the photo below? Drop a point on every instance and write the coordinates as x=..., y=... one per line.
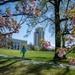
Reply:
x=19, y=26
x=71, y=60
x=71, y=38
x=65, y=15
x=38, y=13
x=73, y=19
x=9, y=35
x=68, y=11
x=73, y=35
x=32, y=10
x=73, y=63
x=61, y=53
x=17, y=31
x=33, y=3
x=74, y=25
x=10, y=25
x=47, y=44
x=67, y=24
x=25, y=11
x=2, y=20
x=12, y=19
x=9, y=14
x=14, y=26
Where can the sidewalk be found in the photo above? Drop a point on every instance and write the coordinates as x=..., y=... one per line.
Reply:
x=72, y=67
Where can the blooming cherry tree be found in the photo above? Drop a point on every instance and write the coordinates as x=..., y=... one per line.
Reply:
x=28, y=7
x=8, y=25
x=63, y=51
x=45, y=43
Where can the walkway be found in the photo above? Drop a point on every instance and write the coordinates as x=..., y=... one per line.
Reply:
x=72, y=67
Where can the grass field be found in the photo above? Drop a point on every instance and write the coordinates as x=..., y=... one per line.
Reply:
x=12, y=67
x=34, y=55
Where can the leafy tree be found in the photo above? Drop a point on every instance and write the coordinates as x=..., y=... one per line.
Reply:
x=53, y=14
x=8, y=24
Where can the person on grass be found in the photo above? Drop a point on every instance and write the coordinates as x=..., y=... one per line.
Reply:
x=23, y=50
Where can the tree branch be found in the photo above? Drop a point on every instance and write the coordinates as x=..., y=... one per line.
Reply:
x=9, y=33
x=65, y=12
x=51, y=2
x=4, y=2
x=64, y=19
x=18, y=14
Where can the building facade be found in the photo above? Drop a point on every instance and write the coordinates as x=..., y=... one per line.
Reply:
x=38, y=34
x=14, y=43
x=18, y=44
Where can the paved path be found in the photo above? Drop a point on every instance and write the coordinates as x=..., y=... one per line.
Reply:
x=72, y=67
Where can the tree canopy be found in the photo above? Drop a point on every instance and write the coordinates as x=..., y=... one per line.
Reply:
x=59, y=15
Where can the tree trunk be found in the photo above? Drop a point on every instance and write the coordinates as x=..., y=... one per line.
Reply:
x=57, y=29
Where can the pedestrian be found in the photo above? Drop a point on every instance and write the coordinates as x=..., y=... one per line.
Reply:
x=23, y=50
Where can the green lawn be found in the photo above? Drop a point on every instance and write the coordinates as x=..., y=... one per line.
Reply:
x=12, y=67
x=34, y=55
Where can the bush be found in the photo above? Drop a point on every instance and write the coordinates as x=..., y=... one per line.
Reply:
x=43, y=49
x=37, y=48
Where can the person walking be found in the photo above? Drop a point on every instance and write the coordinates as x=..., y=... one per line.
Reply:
x=23, y=50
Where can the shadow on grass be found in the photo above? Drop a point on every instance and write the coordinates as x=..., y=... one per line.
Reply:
x=65, y=72
x=41, y=59
x=21, y=58
x=4, y=61
x=14, y=58
x=30, y=69
x=35, y=70
x=6, y=66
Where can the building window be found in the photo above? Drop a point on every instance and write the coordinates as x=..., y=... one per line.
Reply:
x=15, y=46
x=18, y=47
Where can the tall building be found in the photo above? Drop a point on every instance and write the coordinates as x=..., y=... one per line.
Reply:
x=38, y=34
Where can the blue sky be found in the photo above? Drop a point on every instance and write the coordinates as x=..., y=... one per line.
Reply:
x=30, y=38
